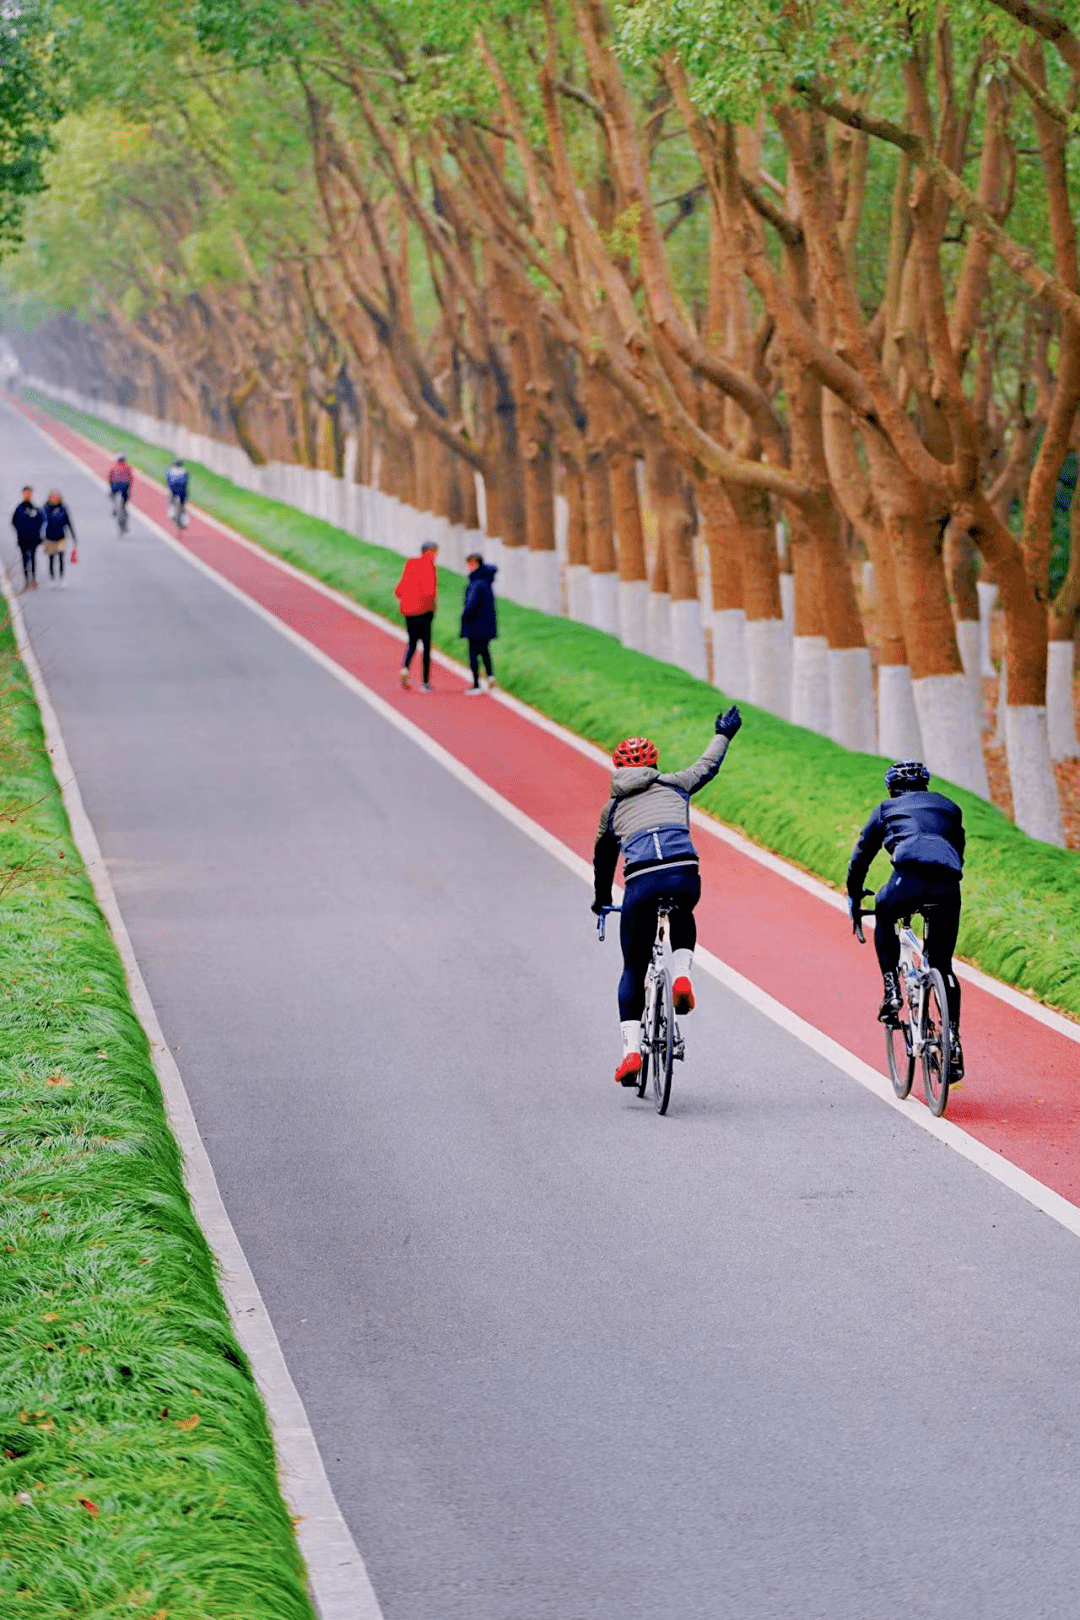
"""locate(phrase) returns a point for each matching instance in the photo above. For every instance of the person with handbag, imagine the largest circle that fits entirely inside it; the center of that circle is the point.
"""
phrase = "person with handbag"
(58, 526)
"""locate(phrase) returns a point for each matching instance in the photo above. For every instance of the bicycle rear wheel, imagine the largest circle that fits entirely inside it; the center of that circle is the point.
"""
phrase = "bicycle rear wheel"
(936, 1050)
(663, 1041)
(901, 1061)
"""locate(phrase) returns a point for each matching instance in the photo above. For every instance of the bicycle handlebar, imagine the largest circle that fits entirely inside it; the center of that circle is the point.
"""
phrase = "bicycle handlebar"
(601, 921)
(856, 922)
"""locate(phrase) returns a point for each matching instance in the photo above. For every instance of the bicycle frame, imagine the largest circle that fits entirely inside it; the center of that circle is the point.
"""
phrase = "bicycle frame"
(654, 970)
(913, 968)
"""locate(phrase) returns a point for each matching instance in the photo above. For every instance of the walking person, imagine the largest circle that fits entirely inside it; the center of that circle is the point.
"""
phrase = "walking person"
(27, 521)
(417, 592)
(479, 625)
(58, 526)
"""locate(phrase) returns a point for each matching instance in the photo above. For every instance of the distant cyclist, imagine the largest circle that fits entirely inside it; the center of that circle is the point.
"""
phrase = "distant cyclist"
(647, 819)
(120, 480)
(177, 480)
(923, 835)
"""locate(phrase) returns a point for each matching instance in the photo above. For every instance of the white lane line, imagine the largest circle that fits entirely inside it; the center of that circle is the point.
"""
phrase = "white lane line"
(994, 1164)
(339, 1581)
(1017, 999)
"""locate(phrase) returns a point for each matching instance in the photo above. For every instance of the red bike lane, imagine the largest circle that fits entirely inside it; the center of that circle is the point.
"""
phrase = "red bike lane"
(1022, 1097)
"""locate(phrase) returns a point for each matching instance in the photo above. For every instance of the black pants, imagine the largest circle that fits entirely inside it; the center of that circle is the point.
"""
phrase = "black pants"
(56, 557)
(937, 897)
(637, 927)
(28, 552)
(419, 627)
(480, 651)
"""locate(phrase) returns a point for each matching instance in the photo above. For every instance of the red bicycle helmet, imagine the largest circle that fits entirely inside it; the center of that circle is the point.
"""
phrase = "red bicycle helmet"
(635, 751)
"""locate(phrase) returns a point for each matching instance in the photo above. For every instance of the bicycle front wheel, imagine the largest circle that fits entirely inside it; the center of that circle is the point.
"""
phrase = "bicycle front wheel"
(936, 1049)
(901, 1061)
(663, 1041)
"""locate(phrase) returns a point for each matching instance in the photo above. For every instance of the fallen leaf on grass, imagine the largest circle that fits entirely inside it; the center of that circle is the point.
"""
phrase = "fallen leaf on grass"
(58, 1080)
(191, 1422)
(91, 1507)
(51, 1316)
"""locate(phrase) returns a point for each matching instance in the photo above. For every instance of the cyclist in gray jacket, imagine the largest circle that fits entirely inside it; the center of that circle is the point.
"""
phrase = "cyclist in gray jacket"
(647, 820)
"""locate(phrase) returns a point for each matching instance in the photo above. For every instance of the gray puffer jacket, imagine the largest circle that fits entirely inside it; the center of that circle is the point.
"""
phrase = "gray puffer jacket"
(647, 819)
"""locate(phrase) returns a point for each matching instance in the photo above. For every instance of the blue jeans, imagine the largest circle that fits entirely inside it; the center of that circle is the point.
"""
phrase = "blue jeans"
(637, 927)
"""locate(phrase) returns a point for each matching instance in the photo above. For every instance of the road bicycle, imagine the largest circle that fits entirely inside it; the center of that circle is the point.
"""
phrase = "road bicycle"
(662, 1044)
(925, 1034)
(118, 502)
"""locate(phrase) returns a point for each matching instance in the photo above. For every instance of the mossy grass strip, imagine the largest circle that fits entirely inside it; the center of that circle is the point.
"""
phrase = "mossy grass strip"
(137, 1474)
(790, 790)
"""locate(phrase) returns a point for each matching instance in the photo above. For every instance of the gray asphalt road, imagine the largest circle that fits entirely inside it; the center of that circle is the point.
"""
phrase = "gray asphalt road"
(778, 1355)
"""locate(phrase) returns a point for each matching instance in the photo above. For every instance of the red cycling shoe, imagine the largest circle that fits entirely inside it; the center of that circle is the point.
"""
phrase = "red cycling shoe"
(629, 1070)
(682, 994)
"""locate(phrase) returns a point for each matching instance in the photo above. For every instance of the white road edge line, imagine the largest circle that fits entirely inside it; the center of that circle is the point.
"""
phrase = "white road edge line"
(339, 1581)
(994, 1164)
(707, 823)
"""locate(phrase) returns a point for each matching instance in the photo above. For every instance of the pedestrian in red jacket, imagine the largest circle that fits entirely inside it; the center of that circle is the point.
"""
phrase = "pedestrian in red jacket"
(417, 592)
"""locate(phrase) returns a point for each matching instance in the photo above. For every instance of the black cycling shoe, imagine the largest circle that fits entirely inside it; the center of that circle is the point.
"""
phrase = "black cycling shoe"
(956, 1055)
(892, 1002)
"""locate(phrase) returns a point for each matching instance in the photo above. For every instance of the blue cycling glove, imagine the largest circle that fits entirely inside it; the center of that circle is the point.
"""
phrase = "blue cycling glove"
(728, 724)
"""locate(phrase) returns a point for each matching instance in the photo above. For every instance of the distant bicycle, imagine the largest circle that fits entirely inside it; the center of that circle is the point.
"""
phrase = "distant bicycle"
(119, 502)
(178, 511)
(924, 1034)
(661, 1039)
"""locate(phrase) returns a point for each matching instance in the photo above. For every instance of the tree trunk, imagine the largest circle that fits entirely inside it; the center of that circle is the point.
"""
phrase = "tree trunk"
(630, 536)
(726, 581)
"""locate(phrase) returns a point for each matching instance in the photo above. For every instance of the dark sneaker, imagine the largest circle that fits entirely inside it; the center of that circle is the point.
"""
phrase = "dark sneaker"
(956, 1055)
(891, 1002)
(629, 1070)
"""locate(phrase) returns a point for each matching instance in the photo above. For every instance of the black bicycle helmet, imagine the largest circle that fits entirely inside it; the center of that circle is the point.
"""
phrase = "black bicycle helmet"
(907, 776)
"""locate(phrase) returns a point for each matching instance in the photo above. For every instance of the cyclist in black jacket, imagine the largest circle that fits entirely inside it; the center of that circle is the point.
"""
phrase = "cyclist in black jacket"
(923, 835)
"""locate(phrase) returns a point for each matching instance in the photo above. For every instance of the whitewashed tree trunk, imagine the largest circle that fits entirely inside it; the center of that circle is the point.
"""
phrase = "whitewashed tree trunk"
(1036, 807)
(688, 638)
(578, 592)
(1060, 710)
(543, 580)
(869, 583)
(969, 641)
(851, 699)
(898, 724)
(768, 657)
(729, 651)
(987, 596)
(604, 602)
(634, 614)
(1002, 702)
(951, 744)
(658, 626)
(481, 501)
(787, 600)
(515, 583)
(810, 683)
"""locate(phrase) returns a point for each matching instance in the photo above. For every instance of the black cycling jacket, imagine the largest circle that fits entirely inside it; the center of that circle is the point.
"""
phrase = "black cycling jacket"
(919, 831)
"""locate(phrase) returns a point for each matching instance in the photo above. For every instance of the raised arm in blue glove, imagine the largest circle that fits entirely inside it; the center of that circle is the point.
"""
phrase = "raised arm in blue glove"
(728, 724)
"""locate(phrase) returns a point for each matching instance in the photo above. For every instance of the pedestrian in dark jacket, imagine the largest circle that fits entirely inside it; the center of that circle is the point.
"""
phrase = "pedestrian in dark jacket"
(58, 526)
(479, 626)
(27, 521)
(923, 835)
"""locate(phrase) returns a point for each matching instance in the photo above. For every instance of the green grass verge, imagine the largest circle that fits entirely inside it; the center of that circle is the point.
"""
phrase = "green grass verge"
(788, 789)
(137, 1475)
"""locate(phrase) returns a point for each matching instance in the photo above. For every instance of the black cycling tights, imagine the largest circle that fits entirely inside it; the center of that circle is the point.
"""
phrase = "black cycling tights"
(56, 557)
(637, 929)
(907, 892)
